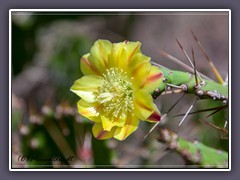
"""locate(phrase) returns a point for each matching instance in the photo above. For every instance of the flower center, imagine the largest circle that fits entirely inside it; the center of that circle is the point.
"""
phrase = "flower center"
(115, 93)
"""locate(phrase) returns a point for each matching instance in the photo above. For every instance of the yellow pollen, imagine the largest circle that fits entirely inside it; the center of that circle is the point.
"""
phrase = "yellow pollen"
(115, 93)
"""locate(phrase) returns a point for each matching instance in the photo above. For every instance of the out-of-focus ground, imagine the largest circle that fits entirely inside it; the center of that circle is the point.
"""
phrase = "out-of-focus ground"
(46, 49)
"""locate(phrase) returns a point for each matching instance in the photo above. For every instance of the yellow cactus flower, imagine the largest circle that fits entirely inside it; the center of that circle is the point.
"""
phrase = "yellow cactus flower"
(116, 88)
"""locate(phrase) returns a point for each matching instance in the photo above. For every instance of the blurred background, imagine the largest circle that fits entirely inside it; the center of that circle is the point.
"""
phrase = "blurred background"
(46, 49)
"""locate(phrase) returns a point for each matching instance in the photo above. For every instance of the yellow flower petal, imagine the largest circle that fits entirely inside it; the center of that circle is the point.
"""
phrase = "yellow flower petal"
(115, 55)
(131, 125)
(108, 123)
(121, 60)
(99, 133)
(138, 69)
(87, 67)
(122, 54)
(99, 54)
(88, 110)
(154, 79)
(86, 86)
(143, 104)
(132, 48)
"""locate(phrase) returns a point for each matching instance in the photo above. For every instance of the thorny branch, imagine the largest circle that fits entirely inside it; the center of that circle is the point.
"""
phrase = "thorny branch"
(196, 152)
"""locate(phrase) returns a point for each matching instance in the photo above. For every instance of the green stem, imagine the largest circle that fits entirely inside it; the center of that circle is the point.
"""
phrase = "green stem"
(186, 81)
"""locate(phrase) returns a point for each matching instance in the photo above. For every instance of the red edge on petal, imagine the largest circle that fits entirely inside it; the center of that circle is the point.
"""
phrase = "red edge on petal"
(138, 68)
(143, 105)
(101, 134)
(86, 62)
(133, 52)
(154, 117)
(155, 77)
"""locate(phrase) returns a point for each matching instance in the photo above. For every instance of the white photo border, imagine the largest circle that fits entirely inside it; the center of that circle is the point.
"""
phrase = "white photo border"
(115, 11)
